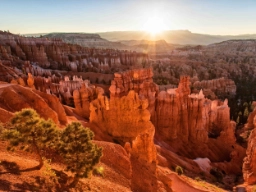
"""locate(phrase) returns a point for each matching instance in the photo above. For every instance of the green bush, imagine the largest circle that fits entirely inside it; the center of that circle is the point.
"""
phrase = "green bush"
(99, 171)
(179, 170)
(217, 174)
(78, 151)
(197, 178)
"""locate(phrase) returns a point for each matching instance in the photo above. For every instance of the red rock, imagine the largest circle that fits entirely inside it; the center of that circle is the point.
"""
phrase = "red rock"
(26, 98)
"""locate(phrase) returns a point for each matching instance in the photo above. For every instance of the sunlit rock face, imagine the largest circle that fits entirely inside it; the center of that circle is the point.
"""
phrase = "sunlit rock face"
(180, 114)
(83, 96)
(139, 80)
(190, 117)
(47, 106)
(125, 116)
(127, 119)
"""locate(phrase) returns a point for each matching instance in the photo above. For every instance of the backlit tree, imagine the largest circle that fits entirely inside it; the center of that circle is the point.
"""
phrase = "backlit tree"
(78, 151)
(30, 132)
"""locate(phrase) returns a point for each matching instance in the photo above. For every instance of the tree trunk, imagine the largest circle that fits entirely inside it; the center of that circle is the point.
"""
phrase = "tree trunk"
(41, 162)
(74, 182)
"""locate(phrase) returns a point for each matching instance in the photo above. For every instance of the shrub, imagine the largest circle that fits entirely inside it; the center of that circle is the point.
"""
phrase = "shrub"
(197, 178)
(179, 170)
(217, 174)
(99, 171)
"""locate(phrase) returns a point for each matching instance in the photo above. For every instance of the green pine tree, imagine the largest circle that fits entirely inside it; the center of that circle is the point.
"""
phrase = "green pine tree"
(78, 151)
(31, 133)
(246, 112)
(238, 120)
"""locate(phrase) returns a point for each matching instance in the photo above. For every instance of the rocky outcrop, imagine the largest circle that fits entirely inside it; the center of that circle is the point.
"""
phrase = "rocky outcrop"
(47, 106)
(190, 117)
(30, 81)
(131, 110)
(83, 96)
(127, 119)
(181, 115)
(251, 121)
(197, 127)
(249, 166)
(139, 80)
(119, 160)
(54, 103)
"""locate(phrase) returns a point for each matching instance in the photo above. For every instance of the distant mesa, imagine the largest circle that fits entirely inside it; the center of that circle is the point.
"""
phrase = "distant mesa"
(182, 37)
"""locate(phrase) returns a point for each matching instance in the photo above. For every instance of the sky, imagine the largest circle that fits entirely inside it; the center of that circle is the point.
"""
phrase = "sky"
(219, 17)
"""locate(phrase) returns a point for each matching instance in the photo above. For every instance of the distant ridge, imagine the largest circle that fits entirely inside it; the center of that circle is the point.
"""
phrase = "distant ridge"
(182, 37)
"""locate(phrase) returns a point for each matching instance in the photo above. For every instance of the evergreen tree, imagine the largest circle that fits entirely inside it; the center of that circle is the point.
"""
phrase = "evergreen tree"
(78, 151)
(246, 112)
(238, 120)
(30, 132)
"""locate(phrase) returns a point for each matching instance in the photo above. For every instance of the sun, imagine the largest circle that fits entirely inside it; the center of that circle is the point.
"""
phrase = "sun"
(154, 25)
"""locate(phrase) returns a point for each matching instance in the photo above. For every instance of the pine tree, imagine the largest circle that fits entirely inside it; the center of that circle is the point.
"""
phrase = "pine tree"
(238, 120)
(246, 112)
(30, 132)
(78, 151)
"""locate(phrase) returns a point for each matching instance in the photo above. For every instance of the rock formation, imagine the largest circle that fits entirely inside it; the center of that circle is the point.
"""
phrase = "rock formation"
(47, 106)
(182, 115)
(219, 86)
(83, 97)
(127, 119)
(54, 103)
(54, 54)
(139, 80)
(30, 81)
(131, 110)
(249, 166)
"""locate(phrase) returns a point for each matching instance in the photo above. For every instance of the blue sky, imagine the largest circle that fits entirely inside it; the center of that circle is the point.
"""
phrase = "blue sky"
(200, 16)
